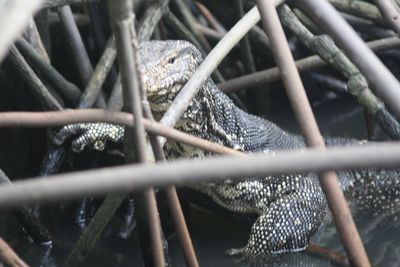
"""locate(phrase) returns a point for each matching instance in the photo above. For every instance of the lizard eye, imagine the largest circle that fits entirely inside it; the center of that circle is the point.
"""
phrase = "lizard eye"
(171, 60)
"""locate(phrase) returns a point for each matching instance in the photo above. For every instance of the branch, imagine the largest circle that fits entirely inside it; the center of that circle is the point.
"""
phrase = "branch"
(128, 178)
(52, 119)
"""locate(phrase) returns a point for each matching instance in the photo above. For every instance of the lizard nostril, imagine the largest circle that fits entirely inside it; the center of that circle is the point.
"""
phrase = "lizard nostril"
(171, 60)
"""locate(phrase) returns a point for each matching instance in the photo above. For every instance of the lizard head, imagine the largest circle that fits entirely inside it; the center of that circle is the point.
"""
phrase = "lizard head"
(166, 66)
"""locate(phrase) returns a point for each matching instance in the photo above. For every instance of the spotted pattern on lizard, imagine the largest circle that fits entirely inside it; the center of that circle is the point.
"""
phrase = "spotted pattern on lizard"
(290, 208)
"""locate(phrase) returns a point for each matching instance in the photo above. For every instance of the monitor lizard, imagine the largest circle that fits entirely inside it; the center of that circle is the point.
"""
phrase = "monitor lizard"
(290, 208)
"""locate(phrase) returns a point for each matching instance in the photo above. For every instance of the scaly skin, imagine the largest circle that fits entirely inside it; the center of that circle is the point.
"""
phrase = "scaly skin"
(290, 208)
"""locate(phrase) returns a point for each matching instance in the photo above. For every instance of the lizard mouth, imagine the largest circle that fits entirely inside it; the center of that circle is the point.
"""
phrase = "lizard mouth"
(161, 99)
(170, 90)
(169, 85)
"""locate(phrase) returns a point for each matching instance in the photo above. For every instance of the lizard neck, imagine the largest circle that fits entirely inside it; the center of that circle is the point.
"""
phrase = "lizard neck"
(242, 131)
(212, 115)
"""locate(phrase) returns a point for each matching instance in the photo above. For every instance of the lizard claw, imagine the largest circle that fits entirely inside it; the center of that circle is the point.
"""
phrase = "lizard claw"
(94, 135)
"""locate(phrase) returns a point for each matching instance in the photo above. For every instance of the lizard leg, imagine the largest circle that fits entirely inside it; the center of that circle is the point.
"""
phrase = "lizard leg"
(285, 226)
(239, 197)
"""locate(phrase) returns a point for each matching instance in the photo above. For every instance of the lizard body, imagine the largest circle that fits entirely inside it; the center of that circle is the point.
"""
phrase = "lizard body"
(290, 207)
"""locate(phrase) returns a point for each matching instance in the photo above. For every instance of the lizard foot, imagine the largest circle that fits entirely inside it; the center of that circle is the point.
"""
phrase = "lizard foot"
(285, 226)
(94, 135)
